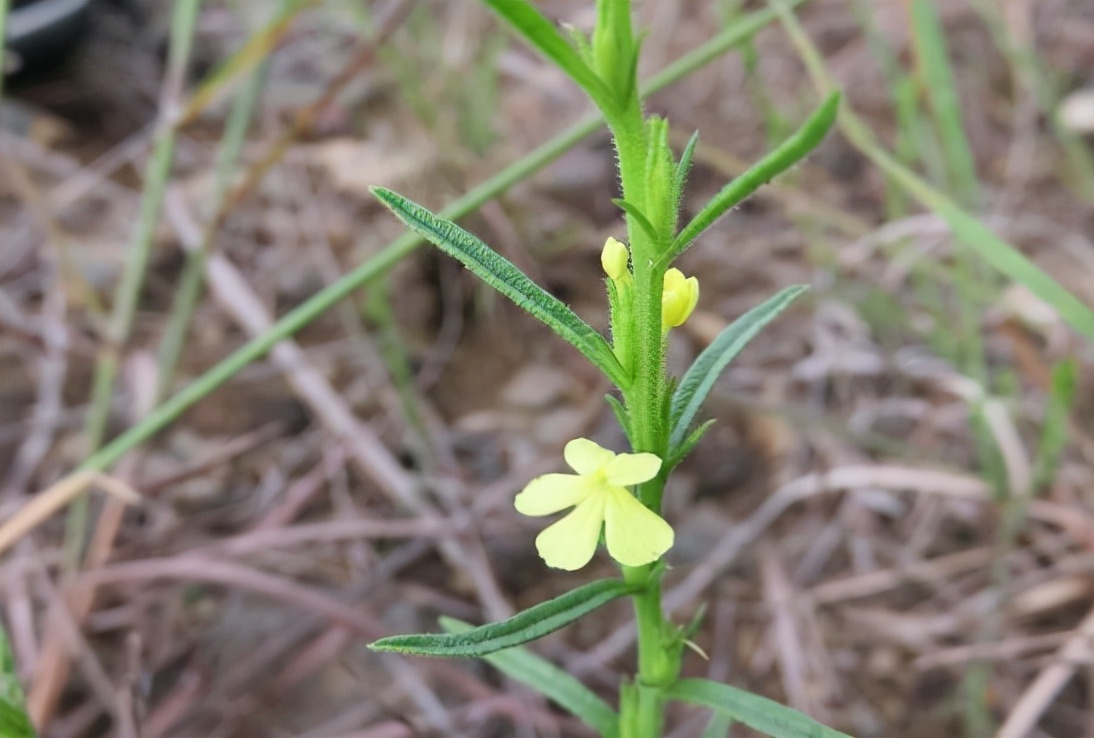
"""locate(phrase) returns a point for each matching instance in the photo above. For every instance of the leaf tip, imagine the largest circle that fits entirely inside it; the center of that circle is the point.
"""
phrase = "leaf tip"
(383, 194)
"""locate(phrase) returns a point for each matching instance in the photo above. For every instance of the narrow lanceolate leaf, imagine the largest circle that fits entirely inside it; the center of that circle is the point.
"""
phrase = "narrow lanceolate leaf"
(542, 34)
(683, 168)
(759, 713)
(550, 681)
(784, 156)
(688, 444)
(719, 726)
(639, 217)
(533, 623)
(14, 722)
(500, 274)
(701, 375)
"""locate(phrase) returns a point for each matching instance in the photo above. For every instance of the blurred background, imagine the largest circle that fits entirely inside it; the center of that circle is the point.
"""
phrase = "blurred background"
(891, 524)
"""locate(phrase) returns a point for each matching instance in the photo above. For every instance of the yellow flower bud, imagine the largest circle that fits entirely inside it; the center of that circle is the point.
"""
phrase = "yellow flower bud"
(614, 259)
(678, 298)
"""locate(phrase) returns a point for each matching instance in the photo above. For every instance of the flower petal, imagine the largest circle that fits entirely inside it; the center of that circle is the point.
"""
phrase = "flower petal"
(627, 469)
(586, 457)
(551, 493)
(635, 534)
(571, 542)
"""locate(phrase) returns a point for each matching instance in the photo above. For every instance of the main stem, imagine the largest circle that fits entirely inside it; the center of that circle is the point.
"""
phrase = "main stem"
(641, 703)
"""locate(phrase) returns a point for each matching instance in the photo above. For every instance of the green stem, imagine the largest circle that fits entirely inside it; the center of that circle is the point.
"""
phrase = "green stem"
(641, 704)
(128, 290)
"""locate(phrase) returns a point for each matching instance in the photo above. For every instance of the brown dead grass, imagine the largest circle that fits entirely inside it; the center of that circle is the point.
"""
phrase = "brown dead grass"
(835, 521)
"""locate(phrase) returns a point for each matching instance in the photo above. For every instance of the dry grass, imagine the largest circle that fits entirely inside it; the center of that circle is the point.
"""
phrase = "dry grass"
(837, 521)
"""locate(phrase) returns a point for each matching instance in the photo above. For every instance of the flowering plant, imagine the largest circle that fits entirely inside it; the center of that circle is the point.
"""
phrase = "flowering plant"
(619, 495)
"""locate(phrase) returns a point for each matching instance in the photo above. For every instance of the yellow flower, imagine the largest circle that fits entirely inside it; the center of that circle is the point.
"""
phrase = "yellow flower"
(678, 298)
(614, 259)
(598, 493)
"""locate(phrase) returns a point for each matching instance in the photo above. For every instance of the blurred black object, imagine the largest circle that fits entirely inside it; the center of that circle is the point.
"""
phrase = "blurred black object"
(41, 33)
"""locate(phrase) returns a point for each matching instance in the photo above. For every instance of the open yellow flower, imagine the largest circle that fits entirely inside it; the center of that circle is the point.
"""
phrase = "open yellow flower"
(635, 535)
(678, 298)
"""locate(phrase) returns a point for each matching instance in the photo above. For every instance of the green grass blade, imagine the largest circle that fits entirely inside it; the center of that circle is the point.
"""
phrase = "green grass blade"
(719, 726)
(550, 681)
(525, 626)
(976, 236)
(256, 50)
(930, 46)
(503, 276)
(542, 34)
(14, 722)
(969, 231)
(1054, 430)
(701, 375)
(759, 713)
(786, 155)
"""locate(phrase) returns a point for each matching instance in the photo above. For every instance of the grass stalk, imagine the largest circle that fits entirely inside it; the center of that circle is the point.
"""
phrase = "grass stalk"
(937, 78)
(183, 23)
(191, 280)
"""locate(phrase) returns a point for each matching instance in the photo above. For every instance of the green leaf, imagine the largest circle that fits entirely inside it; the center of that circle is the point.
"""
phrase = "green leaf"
(701, 375)
(546, 38)
(684, 165)
(681, 452)
(500, 274)
(759, 713)
(550, 681)
(639, 217)
(777, 161)
(14, 722)
(621, 414)
(533, 623)
(719, 726)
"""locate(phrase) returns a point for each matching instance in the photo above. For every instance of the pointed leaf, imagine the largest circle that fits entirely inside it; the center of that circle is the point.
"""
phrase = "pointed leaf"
(681, 452)
(500, 274)
(684, 165)
(719, 726)
(533, 623)
(700, 377)
(786, 155)
(550, 681)
(621, 414)
(639, 217)
(759, 713)
(546, 38)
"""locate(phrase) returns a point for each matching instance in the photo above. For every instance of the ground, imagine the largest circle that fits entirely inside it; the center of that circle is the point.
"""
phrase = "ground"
(882, 525)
